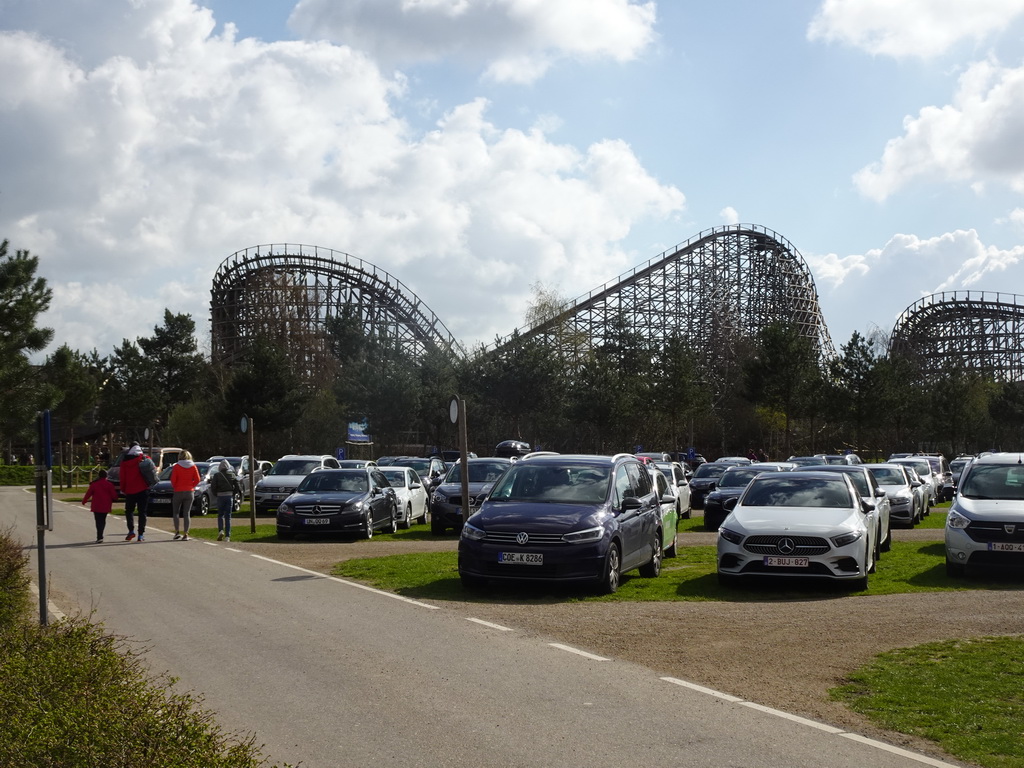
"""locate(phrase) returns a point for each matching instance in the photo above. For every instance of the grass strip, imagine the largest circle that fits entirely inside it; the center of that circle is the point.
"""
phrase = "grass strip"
(909, 567)
(965, 695)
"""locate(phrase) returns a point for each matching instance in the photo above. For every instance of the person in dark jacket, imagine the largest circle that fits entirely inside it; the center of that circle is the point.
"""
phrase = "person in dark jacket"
(224, 485)
(135, 488)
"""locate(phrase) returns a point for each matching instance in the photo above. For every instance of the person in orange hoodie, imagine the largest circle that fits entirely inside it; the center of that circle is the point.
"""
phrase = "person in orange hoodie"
(184, 479)
(103, 495)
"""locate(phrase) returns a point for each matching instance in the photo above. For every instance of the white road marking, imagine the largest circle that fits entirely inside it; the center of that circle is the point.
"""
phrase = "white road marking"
(814, 724)
(578, 652)
(489, 624)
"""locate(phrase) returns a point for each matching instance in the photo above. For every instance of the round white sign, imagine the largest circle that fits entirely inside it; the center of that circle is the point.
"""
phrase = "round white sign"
(453, 410)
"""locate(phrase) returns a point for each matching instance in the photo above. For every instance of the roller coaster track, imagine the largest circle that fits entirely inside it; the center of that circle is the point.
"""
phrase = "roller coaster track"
(973, 331)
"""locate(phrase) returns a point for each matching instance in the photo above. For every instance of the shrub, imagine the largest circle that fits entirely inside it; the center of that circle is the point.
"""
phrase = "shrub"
(14, 581)
(15, 474)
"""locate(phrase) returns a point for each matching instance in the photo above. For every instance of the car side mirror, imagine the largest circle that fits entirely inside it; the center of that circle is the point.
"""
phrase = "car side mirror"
(415, 485)
(631, 502)
(730, 504)
(711, 486)
(867, 507)
(668, 498)
(880, 492)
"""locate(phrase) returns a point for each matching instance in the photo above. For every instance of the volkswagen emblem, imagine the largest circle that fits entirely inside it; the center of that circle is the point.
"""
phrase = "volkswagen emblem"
(1010, 528)
(786, 546)
(317, 510)
(522, 538)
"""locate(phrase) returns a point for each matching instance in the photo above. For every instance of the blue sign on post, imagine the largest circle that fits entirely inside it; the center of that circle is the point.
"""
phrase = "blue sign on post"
(357, 432)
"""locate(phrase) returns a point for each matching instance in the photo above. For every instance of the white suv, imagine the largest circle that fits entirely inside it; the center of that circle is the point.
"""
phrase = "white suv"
(985, 524)
(284, 477)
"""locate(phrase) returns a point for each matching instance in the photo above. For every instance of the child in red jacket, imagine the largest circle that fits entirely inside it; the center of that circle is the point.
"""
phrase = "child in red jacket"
(103, 495)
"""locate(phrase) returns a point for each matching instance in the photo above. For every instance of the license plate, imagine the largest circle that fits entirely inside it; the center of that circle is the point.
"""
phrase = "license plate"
(521, 558)
(317, 521)
(1005, 546)
(787, 562)
(159, 500)
(278, 496)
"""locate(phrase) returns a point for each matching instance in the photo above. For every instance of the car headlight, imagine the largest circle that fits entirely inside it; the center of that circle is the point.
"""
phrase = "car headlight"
(584, 537)
(438, 498)
(472, 533)
(731, 536)
(846, 538)
(286, 509)
(955, 520)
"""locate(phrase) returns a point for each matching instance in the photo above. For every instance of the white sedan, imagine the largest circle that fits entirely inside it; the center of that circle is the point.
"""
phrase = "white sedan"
(802, 524)
(411, 496)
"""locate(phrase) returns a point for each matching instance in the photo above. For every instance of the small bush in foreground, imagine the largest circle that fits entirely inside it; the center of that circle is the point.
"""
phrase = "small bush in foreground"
(73, 696)
(14, 594)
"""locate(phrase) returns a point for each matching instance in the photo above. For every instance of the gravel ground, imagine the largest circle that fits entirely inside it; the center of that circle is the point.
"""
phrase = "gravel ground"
(782, 654)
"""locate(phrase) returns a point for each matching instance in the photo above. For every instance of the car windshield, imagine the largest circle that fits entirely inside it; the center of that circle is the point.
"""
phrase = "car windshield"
(710, 470)
(337, 482)
(804, 461)
(922, 468)
(667, 469)
(396, 478)
(888, 475)
(479, 472)
(420, 465)
(294, 467)
(778, 489)
(165, 473)
(994, 481)
(958, 465)
(738, 477)
(860, 481)
(554, 483)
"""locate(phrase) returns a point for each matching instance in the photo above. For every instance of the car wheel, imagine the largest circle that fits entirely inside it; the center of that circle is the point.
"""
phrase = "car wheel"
(368, 526)
(612, 571)
(392, 526)
(407, 522)
(870, 556)
(686, 515)
(284, 533)
(887, 544)
(426, 513)
(955, 570)
(237, 500)
(204, 504)
(672, 548)
(652, 569)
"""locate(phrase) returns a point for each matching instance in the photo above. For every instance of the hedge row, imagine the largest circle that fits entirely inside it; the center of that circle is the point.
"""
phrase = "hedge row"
(72, 696)
(16, 474)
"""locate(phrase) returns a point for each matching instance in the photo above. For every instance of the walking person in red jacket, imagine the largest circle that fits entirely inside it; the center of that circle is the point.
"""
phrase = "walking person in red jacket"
(135, 487)
(103, 495)
(184, 479)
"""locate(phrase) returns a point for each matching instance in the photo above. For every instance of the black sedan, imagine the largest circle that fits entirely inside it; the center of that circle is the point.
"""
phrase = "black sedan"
(704, 480)
(348, 501)
(730, 485)
(446, 498)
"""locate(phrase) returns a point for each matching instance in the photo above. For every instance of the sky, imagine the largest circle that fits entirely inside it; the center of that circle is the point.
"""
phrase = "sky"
(480, 149)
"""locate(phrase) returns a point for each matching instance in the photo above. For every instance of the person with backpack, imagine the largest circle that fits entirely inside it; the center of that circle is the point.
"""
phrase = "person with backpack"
(184, 479)
(103, 495)
(224, 485)
(137, 476)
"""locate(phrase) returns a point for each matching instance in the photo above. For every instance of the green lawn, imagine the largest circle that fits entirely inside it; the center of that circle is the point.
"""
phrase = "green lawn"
(965, 695)
(909, 567)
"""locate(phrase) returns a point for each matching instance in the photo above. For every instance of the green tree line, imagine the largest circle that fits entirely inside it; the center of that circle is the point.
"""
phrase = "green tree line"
(552, 391)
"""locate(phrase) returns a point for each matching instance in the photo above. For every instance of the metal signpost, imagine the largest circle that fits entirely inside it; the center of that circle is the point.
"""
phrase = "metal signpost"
(44, 505)
(457, 414)
(249, 426)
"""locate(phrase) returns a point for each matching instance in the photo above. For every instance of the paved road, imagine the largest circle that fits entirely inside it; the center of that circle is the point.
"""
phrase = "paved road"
(332, 674)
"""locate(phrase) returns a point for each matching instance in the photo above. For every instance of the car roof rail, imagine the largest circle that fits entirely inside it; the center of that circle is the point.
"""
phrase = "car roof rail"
(618, 456)
(534, 454)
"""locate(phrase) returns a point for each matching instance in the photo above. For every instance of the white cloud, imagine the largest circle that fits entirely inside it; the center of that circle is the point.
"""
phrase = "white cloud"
(135, 178)
(883, 282)
(729, 215)
(910, 28)
(975, 140)
(512, 40)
